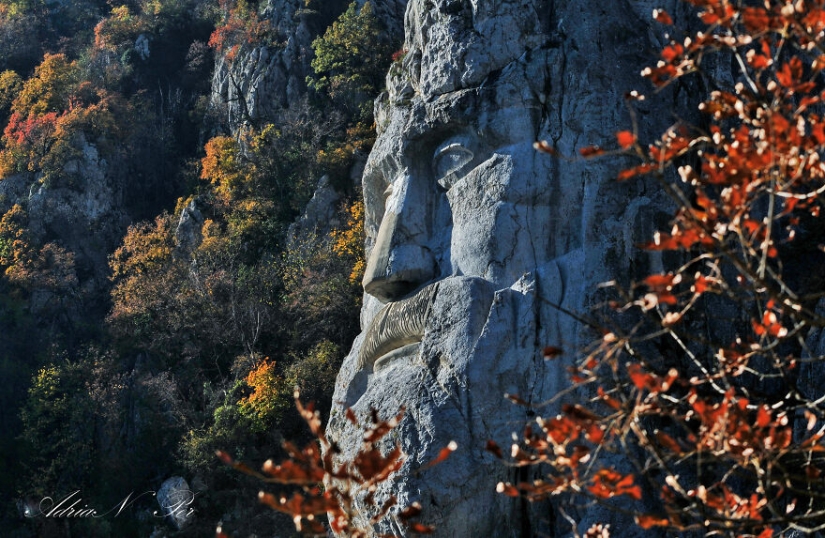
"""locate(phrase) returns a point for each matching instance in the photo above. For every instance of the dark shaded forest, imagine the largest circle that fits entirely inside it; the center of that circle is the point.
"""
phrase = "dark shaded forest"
(156, 301)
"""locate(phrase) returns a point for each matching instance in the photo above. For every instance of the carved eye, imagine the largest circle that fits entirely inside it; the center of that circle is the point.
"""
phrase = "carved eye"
(451, 162)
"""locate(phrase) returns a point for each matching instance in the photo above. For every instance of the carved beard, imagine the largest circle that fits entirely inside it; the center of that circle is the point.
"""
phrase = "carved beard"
(396, 327)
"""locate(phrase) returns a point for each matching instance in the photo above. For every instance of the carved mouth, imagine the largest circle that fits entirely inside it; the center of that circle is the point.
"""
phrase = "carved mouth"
(397, 327)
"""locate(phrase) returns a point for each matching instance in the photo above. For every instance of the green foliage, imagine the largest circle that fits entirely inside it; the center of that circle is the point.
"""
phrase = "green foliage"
(57, 432)
(313, 375)
(29, 266)
(10, 86)
(173, 373)
(227, 426)
(351, 59)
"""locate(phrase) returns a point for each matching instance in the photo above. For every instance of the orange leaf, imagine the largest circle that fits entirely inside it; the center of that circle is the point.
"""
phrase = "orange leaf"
(662, 16)
(763, 416)
(755, 19)
(625, 139)
(640, 170)
(420, 528)
(494, 449)
(444, 453)
(551, 352)
(591, 151)
(647, 521)
(671, 52)
(668, 442)
(507, 489)
(545, 147)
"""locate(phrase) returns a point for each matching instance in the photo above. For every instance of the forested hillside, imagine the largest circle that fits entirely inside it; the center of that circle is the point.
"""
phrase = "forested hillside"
(178, 250)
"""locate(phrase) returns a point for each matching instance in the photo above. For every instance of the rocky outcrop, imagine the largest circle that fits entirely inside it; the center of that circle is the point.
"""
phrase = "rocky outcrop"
(86, 203)
(262, 80)
(504, 242)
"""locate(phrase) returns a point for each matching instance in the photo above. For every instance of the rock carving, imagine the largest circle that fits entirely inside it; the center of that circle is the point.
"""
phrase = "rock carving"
(478, 245)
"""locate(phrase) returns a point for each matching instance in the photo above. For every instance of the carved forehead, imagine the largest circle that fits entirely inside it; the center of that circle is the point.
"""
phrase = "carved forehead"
(508, 107)
(456, 44)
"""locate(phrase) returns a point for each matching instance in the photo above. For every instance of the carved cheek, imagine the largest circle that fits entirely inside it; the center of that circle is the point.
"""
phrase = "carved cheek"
(476, 202)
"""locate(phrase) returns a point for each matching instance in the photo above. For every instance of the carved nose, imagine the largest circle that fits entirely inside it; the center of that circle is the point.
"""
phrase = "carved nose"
(400, 261)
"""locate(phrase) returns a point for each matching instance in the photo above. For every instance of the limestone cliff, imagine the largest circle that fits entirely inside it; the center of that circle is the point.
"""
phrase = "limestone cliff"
(478, 246)
(266, 78)
(87, 216)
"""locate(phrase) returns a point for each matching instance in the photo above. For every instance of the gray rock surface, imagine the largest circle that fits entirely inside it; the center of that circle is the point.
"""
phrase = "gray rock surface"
(175, 500)
(88, 205)
(456, 195)
(188, 233)
(319, 217)
(262, 80)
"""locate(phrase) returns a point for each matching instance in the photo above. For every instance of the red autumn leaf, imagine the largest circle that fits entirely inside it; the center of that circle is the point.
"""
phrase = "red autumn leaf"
(224, 457)
(507, 489)
(641, 379)
(662, 16)
(757, 61)
(494, 449)
(647, 521)
(700, 284)
(625, 139)
(755, 19)
(763, 416)
(790, 73)
(608, 483)
(295, 472)
(545, 147)
(373, 466)
(661, 282)
(671, 52)
(350, 414)
(551, 352)
(579, 413)
(591, 151)
(609, 400)
(640, 170)
(420, 528)
(443, 454)
(668, 442)
(595, 433)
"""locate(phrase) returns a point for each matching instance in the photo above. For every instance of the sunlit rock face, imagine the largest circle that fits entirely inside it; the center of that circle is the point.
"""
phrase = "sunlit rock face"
(478, 245)
(264, 80)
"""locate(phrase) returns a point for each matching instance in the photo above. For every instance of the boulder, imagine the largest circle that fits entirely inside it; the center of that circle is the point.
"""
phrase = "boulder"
(175, 500)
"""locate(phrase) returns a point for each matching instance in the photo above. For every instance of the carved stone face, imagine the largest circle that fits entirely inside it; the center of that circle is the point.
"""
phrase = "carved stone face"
(461, 216)
(475, 240)
(464, 195)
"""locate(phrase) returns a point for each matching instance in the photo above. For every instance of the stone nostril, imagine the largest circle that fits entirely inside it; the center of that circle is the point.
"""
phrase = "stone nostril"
(388, 291)
(392, 274)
